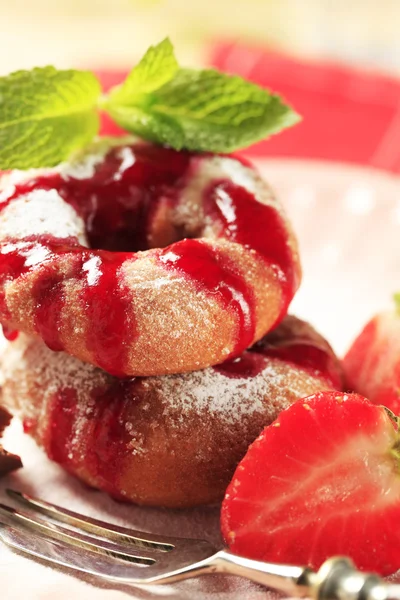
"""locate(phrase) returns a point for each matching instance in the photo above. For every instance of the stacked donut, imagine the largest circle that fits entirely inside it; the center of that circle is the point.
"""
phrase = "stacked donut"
(144, 292)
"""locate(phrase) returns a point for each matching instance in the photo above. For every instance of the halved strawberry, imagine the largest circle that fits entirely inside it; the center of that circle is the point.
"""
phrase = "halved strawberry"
(372, 365)
(322, 480)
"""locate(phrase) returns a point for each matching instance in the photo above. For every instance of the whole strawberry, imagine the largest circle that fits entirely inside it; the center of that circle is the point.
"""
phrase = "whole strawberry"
(322, 480)
(372, 365)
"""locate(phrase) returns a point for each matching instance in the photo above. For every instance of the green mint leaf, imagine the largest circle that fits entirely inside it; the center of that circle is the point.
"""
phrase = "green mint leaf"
(45, 115)
(202, 110)
(155, 128)
(157, 67)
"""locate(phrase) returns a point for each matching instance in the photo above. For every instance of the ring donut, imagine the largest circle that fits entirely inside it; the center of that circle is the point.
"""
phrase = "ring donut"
(172, 440)
(144, 261)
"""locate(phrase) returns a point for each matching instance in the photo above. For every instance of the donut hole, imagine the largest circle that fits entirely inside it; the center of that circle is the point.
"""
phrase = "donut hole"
(126, 202)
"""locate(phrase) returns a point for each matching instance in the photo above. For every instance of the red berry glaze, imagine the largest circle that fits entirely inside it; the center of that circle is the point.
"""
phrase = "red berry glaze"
(117, 303)
(296, 343)
(322, 480)
(372, 364)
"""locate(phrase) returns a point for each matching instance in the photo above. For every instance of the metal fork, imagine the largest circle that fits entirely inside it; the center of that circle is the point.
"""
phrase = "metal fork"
(124, 556)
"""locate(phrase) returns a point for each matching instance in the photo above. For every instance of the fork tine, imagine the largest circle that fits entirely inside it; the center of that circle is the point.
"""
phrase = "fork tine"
(72, 557)
(69, 537)
(96, 527)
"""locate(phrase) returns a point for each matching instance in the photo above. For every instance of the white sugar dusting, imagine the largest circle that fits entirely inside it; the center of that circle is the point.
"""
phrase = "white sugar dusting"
(82, 164)
(230, 398)
(53, 370)
(8, 181)
(40, 212)
(247, 177)
(81, 169)
(210, 391)
(92, 269)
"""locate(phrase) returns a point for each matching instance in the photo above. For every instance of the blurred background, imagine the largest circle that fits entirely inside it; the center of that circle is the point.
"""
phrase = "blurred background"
(109, 33)
(336, 61)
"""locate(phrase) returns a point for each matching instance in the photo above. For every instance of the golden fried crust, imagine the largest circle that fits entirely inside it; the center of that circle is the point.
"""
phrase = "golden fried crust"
(171, 440)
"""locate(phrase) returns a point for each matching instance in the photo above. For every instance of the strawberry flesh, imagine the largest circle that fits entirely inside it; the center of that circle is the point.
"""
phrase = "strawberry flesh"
(322, 480)
(372, 364)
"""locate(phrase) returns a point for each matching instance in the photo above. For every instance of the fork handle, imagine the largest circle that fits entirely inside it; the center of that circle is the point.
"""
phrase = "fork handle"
(290, 580)
(337, 579)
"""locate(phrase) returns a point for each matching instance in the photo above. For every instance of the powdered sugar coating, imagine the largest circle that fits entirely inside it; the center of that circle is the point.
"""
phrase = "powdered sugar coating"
(230, 398)
(41, 212)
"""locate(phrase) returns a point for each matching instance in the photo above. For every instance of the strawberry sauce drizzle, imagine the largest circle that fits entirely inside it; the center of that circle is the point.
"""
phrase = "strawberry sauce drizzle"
(104, 439)
(286, 344)
(109, 439)
(242, 219)
(245, 220)
(9, 333)
(247, 365)
(107, 301)
(213, 272)
(317, 361)
(60, 433)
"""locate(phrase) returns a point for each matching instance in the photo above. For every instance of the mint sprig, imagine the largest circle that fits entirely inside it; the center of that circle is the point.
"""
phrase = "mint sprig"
(201, 110)
(46, 114)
